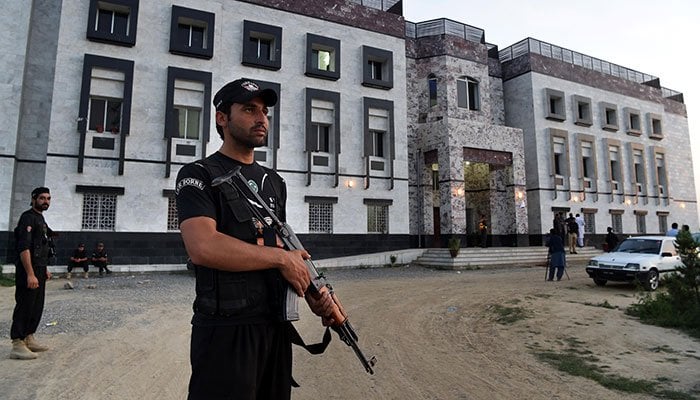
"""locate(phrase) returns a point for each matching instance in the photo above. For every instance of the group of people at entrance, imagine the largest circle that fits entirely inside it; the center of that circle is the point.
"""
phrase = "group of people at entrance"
(79, 259)
(571, 230)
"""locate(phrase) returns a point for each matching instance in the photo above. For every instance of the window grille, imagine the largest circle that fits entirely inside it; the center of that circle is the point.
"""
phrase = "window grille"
(173, 223)
(321, 217)
(377, 218)
(99, 211)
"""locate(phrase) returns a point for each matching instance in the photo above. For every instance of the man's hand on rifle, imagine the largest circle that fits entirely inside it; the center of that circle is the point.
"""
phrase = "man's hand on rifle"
(323, 307)
(295, 271)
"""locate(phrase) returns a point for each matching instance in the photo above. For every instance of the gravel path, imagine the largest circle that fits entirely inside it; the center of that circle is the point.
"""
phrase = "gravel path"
(98, 304)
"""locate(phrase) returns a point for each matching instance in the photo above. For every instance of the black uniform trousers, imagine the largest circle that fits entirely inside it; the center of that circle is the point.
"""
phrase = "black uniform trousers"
(82, 264)
(246, 362)
(29, 303)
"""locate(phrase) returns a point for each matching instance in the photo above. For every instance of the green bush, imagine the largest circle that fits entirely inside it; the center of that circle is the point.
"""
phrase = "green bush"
(679, 306)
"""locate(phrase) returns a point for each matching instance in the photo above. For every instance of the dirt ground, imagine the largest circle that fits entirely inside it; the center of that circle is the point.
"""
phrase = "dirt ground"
(435, 335)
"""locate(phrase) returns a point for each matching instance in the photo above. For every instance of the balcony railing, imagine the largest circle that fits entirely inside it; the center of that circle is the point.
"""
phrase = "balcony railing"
(383, 5)
(444, 26)
(535, 46)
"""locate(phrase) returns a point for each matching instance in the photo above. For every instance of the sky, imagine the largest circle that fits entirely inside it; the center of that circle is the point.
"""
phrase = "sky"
(653, 37)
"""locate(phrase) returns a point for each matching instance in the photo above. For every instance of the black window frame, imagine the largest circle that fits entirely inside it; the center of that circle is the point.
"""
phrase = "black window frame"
(386, 58)
(258, 30)
(96, 35)
(192, 17)
(315, 43)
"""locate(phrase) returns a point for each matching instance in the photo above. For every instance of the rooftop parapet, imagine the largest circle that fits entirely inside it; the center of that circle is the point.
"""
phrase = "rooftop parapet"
(444, 26)
(530, 45)
(393, 6)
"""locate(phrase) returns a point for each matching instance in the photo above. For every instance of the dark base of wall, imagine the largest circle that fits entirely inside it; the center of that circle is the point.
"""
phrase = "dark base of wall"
(514, 240)
(167, 248)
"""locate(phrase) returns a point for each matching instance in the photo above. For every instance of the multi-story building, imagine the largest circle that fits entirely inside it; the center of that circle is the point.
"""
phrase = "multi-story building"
(602, 141)
(109, 98)
(389, 134)
(465, 162)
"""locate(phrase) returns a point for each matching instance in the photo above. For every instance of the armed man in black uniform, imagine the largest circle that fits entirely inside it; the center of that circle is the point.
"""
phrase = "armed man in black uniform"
(32, 237)
(240, 346)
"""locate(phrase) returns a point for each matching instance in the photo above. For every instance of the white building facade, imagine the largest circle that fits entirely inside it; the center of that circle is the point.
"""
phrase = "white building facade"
(389, 134)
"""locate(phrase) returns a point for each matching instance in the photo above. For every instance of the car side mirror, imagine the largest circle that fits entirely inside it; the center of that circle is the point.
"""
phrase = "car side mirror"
(666, 254)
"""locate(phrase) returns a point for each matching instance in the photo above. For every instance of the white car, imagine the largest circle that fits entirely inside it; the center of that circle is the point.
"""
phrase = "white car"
(640, 258)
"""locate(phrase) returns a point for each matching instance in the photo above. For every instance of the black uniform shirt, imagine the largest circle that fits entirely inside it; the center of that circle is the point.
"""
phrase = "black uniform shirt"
(32, 234)
(196, 198)
(79, 254)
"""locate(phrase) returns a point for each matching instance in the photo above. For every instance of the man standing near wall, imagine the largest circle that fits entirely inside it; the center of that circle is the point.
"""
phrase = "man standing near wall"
(572, 228)
(581, 225)
(32, 240)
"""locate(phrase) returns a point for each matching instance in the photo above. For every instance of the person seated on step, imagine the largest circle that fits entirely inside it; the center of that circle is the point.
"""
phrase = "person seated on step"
(78, 259)
(100, 259)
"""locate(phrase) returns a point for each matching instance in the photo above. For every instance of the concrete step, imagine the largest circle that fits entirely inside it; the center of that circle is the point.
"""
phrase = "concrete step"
(497, 257)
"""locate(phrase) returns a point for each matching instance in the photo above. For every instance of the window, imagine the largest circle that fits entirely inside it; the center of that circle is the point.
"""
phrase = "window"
(435, 176)
(105, 104)
(378, 143)
(615, 169)
(641, 222)
(322, 133)
(378, 136)
(616, 222)
(560, 157)
(187, 115)
(661, 176)
(173, 224)
(99, 211)
(262, 45)
(588, 163)
(655, 131)
(432, 90)
(468, 93)
(322, 57)
(663, 223)
(378, 71)
(321, 137)
(189, 122)
(377, 218)
(191, 32)
(113, 21)
(582, 111)
(589, 222)
(555, 109)
(105, 115)
(639, 174)
(632, 118)
(320, 217)
(609, 113)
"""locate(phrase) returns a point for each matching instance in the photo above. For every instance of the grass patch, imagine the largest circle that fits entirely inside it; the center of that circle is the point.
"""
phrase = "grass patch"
(5, 281)
(583, 366)
(509, 315)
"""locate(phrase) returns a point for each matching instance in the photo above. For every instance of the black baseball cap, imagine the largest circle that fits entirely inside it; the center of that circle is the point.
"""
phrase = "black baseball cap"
(241, 91)
(40, 190)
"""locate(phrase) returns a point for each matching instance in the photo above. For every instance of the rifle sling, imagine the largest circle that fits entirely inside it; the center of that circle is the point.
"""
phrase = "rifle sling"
(316, 348)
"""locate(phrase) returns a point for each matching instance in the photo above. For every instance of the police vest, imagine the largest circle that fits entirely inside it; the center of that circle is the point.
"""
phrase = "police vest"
(243, 297)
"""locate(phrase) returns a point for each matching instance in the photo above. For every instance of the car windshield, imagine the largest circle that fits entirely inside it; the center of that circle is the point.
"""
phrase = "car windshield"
(644, 246)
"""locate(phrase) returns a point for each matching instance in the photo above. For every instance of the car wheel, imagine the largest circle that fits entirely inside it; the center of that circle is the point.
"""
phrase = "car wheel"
(600, 282)
(652, 282)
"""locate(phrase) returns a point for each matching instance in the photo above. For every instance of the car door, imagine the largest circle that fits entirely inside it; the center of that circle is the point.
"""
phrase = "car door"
(669, 263)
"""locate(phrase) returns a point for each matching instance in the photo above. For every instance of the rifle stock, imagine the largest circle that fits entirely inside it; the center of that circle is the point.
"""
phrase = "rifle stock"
(318, 285)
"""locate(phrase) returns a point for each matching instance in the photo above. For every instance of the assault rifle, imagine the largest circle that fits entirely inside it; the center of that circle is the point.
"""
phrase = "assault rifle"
(318, 285)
